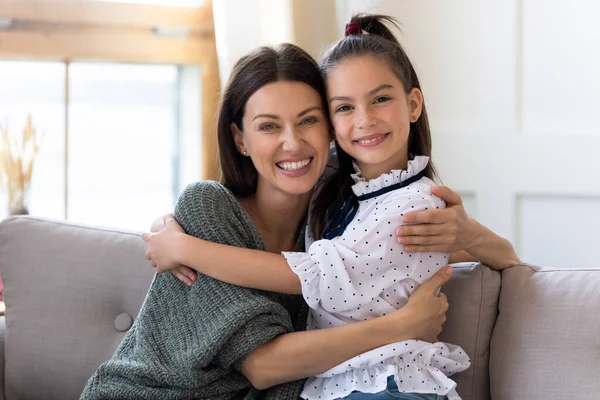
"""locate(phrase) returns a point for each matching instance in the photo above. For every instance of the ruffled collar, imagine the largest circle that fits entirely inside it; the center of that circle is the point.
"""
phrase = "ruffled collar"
(362, 186)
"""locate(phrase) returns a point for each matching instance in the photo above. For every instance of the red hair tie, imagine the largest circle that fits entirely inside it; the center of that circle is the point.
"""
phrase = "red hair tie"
(353, 28)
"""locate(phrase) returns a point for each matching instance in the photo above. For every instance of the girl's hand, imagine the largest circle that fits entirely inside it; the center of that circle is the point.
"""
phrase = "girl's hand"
(446, 230)
(162, 250)
(185, 274)
(425, 313)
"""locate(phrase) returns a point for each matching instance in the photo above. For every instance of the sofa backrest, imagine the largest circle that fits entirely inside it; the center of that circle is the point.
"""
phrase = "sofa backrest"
(472, 294)
(546, 343)
(69, 290)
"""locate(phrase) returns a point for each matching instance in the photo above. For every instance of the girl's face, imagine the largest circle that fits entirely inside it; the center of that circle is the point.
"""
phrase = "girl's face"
(371, 113)
(286, 134)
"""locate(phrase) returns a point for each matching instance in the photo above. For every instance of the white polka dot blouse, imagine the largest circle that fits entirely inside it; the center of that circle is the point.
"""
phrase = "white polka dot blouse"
(365, 273)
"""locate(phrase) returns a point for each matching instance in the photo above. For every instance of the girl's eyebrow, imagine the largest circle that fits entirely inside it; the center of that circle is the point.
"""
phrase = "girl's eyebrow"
(371, 92)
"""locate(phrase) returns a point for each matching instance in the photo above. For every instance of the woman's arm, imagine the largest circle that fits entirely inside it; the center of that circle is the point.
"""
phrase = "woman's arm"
(492, 249)
(299, 355)
(451, 230)
(171, 247)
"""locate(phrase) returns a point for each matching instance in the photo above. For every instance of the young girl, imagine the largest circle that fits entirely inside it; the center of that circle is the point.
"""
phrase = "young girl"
(359, 271)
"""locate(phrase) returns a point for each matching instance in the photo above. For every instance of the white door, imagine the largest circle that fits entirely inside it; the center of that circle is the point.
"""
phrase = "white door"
(513, 93)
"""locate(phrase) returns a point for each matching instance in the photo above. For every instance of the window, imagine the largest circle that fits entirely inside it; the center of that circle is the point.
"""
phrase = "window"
(127, 107)
(38, 88)
(172, 3)
(126, 129)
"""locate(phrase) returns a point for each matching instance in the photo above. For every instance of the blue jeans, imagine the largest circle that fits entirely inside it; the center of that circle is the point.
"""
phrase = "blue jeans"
(392, 393)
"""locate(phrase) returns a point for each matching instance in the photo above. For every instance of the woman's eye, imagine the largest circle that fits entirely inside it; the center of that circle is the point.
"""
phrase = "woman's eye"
(342, 108)
(381, 99)
(267, 127)
(309, 120)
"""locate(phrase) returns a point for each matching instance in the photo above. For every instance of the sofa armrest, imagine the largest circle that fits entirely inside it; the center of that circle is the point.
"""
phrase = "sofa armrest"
(2, 358)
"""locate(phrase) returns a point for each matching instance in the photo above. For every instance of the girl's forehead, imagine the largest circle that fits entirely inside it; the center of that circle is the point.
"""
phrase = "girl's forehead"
(362, 73)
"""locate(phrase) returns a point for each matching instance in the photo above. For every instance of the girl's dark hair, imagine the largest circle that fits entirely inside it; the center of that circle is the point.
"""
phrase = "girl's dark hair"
(373, 38)
(285, 62)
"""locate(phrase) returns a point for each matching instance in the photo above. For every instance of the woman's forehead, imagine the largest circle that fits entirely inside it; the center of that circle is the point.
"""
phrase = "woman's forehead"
(282, 98)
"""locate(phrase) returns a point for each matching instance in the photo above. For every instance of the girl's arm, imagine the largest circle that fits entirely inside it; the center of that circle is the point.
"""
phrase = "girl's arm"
(253, 269)
(171, 247)
(300, 355)
(451, 230)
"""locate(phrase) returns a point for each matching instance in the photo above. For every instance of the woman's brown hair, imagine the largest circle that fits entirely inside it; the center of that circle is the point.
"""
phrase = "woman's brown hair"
(285, 62)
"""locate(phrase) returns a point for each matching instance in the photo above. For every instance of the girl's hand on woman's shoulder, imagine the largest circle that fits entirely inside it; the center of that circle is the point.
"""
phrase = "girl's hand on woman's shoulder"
(446, 230)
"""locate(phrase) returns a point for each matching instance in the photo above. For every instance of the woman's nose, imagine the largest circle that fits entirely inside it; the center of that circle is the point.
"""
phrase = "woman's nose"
(292, 141)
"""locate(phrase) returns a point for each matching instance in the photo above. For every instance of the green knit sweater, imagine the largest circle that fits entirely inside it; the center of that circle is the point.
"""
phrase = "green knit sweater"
(189, 343)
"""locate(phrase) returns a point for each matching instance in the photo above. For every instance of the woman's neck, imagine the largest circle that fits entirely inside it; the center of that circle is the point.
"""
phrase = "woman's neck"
(277, 216)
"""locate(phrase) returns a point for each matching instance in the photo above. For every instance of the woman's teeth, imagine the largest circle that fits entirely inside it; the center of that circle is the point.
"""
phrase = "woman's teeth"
(291, 166)
(367, 141)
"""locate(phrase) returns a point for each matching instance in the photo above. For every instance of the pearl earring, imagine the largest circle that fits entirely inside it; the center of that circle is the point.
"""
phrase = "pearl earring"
(245, 153)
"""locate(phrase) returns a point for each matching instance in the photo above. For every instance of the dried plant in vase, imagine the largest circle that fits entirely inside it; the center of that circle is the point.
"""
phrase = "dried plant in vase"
(17, 157)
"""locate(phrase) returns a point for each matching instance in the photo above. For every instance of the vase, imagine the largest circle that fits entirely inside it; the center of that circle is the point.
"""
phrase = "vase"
(18, 211)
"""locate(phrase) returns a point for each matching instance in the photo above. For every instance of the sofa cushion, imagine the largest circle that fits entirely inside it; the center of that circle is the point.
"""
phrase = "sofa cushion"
(472, 294)
(545, 344)
(64, 286)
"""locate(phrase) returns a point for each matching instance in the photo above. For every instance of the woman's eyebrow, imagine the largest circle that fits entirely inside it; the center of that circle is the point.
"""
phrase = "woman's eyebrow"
(265, 116)
(309, 110)
(371, 92)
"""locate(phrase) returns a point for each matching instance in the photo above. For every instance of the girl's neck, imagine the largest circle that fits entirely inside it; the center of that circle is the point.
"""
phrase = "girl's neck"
(372, 171)
(277, 216)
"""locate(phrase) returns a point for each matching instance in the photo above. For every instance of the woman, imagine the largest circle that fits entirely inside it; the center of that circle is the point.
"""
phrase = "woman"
(220, 341)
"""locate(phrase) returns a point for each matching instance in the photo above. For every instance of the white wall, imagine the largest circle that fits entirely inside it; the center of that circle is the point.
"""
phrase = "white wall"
(242, 25)
(511, 88)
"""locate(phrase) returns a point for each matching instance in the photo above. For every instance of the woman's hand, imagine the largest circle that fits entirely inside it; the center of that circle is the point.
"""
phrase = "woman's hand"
(185, 274)
(447, 230)
(425, 313)
(162, 246)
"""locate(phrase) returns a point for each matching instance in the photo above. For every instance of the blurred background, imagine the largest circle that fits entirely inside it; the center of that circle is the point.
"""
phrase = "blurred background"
(122, 98)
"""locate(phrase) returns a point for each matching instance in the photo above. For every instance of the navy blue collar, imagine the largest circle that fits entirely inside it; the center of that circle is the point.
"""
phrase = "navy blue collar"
(342, 218)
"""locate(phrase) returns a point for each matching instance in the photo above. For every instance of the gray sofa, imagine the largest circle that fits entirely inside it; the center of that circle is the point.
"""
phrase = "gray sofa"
(72, 291)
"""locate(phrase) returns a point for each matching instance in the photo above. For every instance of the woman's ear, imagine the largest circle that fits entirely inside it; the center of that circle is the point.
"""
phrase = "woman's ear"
(415, 104)
(238, 138)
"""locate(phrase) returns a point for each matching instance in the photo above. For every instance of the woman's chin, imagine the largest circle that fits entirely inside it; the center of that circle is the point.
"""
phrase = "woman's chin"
(298, 186)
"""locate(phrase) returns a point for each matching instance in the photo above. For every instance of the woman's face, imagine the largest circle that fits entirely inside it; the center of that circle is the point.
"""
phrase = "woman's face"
(371, 113)
(286, 134)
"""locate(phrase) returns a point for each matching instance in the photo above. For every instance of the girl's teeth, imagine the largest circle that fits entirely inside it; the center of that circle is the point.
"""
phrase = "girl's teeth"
(291, 166)
(367, 141)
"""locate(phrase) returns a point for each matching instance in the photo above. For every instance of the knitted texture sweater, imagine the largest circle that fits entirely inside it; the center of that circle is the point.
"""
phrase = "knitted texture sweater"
(190, 343)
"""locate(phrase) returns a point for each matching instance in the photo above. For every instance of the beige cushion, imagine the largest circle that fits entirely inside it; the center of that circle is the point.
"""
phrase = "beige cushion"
(546, 342)
(473, 294)
(64, 286)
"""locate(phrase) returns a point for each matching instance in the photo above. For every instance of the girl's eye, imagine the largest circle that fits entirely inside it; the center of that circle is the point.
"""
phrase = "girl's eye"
(342, 108)
(267, 127)
(309, 120)
(381, 99)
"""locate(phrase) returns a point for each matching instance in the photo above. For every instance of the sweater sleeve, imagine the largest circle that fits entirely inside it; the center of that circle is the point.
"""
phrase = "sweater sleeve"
(189, 343)
(208, 211)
